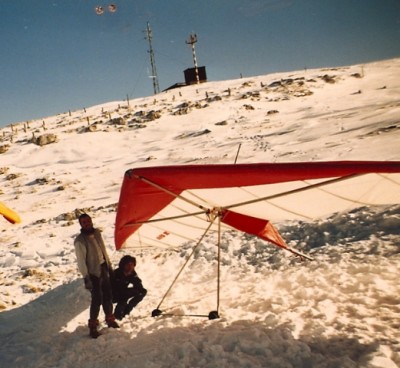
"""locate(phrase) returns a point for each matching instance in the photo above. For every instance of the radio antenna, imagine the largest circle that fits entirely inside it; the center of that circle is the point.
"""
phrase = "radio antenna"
(191, 41)
(154, 77)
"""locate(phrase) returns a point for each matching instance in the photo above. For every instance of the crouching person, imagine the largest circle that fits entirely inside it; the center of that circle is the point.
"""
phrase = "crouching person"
(127, 297)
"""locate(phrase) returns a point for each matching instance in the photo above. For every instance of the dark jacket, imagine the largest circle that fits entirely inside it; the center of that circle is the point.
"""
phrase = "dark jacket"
(120, 283)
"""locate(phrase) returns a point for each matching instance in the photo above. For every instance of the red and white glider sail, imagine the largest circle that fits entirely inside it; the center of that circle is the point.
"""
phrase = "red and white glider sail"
(168, 206)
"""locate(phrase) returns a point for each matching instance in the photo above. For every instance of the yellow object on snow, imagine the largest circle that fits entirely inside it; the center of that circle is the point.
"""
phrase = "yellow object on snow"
(8, 214)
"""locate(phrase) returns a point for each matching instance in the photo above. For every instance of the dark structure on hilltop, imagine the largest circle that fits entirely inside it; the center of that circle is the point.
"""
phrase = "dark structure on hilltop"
(191, 77)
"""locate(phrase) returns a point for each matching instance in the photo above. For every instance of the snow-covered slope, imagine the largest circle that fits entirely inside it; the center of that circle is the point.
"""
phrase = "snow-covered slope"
(341, 310)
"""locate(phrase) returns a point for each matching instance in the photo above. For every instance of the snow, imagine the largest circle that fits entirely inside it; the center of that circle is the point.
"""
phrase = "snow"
(340, 310)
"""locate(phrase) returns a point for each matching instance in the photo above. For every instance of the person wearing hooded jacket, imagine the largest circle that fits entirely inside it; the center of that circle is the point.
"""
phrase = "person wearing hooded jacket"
(127, 297)
(95, 267)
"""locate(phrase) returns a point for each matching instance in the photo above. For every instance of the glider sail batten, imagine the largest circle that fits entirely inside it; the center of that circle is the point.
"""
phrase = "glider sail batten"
(219, 184)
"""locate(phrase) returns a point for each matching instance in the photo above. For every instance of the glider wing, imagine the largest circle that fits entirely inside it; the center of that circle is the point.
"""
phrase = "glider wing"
(168, 206)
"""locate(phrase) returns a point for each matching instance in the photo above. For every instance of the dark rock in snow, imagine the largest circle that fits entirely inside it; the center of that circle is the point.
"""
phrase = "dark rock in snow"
(45, 139)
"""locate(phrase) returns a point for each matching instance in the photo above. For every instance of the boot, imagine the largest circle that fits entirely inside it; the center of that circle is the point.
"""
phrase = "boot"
(93, 332)
(110, 320)
(128, 310)
(119, 312)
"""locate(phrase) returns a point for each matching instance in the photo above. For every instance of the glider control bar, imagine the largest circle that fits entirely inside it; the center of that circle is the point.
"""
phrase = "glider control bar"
(184, 265)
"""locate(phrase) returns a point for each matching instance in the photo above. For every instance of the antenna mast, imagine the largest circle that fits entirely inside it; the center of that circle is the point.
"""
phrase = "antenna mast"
(192, 40)
(154, 76)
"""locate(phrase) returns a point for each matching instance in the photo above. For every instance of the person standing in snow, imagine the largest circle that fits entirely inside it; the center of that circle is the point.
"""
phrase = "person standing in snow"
(127, 297)
(95, 267)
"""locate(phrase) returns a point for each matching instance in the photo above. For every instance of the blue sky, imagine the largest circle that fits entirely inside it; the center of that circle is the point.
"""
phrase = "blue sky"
(58, 55)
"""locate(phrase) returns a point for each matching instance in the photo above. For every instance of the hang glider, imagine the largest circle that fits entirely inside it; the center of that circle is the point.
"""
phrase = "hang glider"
(112, 8)
(168, 206)
(10, 215)
(99, 10)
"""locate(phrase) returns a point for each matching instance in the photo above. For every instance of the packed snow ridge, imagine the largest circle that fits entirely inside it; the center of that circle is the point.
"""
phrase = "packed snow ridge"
(340, 310)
